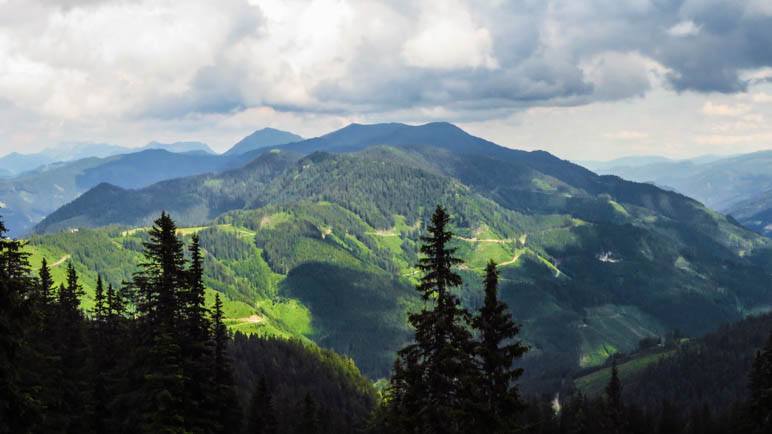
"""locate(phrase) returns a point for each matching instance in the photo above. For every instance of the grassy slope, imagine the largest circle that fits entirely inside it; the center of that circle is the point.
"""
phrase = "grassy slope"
(594, 383)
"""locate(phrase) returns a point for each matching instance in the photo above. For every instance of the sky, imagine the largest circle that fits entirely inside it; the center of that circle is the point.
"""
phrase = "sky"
(583, 79)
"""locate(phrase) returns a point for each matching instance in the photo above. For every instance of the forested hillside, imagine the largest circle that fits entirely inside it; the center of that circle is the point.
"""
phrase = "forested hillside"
(65, 367)
(323, 246)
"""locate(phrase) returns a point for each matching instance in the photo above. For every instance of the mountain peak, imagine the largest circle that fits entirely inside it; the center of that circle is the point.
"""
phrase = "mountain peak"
(355, 137)
(180, 147)
(263, 138)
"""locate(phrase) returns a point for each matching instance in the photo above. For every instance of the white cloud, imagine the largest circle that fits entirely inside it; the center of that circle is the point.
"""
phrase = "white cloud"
(713, 109)
(684, 28)
(627, 135)
(735, 139)
(448, 38)
(761, 97)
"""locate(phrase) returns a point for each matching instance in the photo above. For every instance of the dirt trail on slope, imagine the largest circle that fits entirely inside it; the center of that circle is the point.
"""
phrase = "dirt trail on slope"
(61, 260)
(513, 260)
(485, 240)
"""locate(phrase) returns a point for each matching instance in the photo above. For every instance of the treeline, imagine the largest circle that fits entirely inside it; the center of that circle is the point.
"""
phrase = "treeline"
(711, 370)
(150, 357)
(614, 414)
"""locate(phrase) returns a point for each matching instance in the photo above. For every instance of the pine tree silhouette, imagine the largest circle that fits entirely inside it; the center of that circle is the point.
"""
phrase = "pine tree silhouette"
(196, 347)
(434, 378)
(227, 408)
(614, 417)
(261, 418)
(17, 410)
(497, 350)
(761, 388)
(158, 365)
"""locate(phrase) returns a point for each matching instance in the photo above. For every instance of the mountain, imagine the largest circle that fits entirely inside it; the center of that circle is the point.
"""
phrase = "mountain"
(266, 137)
(180, 147)
(85, 150)
(15, 163)
(608, 167)
(755, 213)
(319, 238)
(740, 185)
(719, 182)
(31, 196)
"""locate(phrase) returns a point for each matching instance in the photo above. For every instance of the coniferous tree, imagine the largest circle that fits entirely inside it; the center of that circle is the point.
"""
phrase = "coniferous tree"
(100, 304)
(100, 360)
(226, 405)
(497, 349)
(309, 422)
(72, 354)
(196, 347)
(17, 409)
(434, 378)
(261, 418)
(614, 422)
(39, 353)
(158, 365)
(761, 388)
(45, 284)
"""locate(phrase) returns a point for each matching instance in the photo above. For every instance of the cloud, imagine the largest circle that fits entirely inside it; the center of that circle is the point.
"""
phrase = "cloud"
(712, 109)
(627, 135)
(94, 63)
(734, 139)
(762, 97)
(684, 28)
(449, 38)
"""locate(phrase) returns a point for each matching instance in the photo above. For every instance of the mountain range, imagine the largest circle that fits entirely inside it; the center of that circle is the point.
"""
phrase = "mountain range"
(15, 163)
(317, 239)
(37, 184)
(738, 185)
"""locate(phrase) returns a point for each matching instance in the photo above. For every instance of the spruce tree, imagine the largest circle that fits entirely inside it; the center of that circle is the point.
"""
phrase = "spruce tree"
(434, 378)
(72, 354)
(761, 388)
(226, 405)
(45, 284)
(497, 350)
(100, 360)
(614, 422)
(100, 303)
(157, 366)
(17, 410)
(196, 347)
(261, 418)
(309, 422)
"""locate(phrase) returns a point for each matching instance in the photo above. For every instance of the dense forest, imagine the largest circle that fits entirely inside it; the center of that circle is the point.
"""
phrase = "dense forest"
(150, 356)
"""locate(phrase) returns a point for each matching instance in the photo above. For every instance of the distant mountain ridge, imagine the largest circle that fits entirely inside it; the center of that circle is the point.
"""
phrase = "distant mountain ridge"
(263, 138)
(17, 163)
(739, 185)
(40, 183)
(179, 147)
